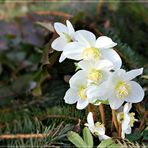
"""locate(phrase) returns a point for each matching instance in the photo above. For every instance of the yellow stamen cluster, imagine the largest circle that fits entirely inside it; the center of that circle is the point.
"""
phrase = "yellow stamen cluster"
(91, 53)
(122, 89)
(132, 119)
(82, 93)
(95, 75)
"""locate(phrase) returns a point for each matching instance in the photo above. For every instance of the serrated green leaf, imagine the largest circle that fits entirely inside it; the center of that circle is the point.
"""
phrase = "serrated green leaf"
(76, 139)
(88, 138)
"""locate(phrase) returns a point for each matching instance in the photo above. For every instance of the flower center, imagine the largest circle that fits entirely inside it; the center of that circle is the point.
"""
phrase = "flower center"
(122, 89)
(68, 38)
(132, 119)
(95, 75)
(82, 93)
(91, 53)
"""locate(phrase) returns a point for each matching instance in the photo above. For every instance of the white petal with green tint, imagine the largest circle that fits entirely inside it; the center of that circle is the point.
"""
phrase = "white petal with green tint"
(114, 102)
(137, 93)
(79, 78)
(127, 107)
(71, 96)
(81, 104)
(105, 42)
(112, 56)
(133, 74)
(73, 51)
(58, 44)
(70, 27)
(85, 37)
(60, 28)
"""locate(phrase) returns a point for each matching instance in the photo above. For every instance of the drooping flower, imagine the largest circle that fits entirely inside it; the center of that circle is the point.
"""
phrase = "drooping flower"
(121, 88)
(97, 128)
(66, 35)
(88, 47)
(126, 119)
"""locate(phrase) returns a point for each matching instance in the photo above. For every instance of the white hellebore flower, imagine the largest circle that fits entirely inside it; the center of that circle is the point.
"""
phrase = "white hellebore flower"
(126, 119)
(65, 33)
(88, 47)
(77, 90)
(97, 71)
(121, 88)
(97, 128)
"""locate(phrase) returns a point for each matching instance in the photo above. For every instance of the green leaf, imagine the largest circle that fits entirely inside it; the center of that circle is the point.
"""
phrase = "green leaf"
(76, 139)
(108, 143)
(87, 136)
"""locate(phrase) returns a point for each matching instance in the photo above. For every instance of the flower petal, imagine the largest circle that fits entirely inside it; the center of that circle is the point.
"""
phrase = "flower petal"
(60, 28)
(70, 27)
(90, 119)
(81, 104)
(79, 78)
(95, 91)
(105, 42)
(73, 51)
(136, 94)
(112, 56)
(127, 107)
(62, 57)
(84, 64)
(104, 64)
(71, 96)
(115, 103)
(58, 44)
(123, 134)
(125, 122)
(133, 73)
(85, 37)
(103, 137)
(128, 130)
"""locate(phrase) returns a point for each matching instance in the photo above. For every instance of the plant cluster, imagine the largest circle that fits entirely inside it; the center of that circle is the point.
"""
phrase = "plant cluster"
(99, 78)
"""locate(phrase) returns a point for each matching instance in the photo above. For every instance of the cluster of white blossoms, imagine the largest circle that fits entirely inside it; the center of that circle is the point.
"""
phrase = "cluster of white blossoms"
(100, 77)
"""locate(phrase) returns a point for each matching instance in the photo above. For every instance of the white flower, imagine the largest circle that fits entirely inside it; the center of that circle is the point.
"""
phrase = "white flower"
(66, 33)
(97, 128)
(126, 119)
(120, 88)
(96, 71)
(88, 48)
(77, 90)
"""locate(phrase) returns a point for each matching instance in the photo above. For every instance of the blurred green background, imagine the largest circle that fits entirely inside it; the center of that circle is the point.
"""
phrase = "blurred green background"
(33, 82)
